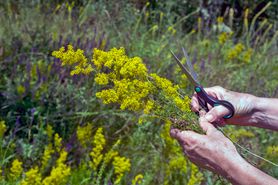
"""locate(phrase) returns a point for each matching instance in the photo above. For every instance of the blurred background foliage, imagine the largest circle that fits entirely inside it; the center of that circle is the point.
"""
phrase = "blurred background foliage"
(231, 43)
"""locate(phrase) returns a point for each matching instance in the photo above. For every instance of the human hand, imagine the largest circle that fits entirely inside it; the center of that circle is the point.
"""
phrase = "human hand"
(217, 153)
(212, 151)
(243, 104)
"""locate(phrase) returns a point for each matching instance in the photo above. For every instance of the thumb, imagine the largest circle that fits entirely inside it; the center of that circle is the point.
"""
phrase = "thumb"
(206, 126)
(216, 113)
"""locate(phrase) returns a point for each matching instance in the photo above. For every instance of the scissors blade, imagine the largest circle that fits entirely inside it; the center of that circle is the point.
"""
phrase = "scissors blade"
(190, 66)
(184, 70)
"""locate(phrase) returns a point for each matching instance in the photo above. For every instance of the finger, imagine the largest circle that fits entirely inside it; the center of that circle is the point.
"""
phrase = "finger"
(194, 103)
(215, 91)
(207, 127)
(202, 113)
(216, 113)
(185, 137)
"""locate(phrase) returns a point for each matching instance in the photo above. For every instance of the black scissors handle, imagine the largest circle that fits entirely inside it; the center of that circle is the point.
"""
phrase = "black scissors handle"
(205, 99)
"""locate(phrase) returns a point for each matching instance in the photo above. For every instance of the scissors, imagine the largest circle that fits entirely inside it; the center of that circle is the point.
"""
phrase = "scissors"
(203, 98)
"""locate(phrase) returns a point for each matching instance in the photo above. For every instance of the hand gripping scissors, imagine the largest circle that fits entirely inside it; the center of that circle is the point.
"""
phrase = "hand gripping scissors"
(203, 98)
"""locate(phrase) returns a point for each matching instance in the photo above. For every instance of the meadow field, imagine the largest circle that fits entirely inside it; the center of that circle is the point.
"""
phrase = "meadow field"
(72, 113)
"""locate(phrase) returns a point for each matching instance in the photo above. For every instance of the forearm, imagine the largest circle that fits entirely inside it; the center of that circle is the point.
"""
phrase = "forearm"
(239, 171)
(256, 111)
(266, 113)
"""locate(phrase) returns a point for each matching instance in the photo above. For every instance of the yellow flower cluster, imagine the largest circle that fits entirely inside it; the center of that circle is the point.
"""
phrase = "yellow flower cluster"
(96, 154)
(236, 134)
(74, 58)
(178, 164)
(137, 179)
(109, 156)
(171, 91)
(170, 143)
(60, 172)
(223, 37)
(171, 30)
(84, 134)
(240, 52)
(48, 151)
(246, 56)
(220, 20)
(272, 153)
(130, 94)
(117, 61)
(149, 106)
(3, 129)
(235, 51)
(183, 104)
(196, 177)
(20, 89)
(16, 169)
(32, 177)
(127, 76)
(57, 142)
(121, 165)
(49, 131)
(165, 84)
(102, 79)
(126, 82)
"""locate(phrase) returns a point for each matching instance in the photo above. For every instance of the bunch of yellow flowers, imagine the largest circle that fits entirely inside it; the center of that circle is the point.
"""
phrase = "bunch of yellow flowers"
(126, 82)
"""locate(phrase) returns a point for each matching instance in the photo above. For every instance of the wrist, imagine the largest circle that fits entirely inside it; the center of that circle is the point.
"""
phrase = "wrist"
(232, 166)
(243, 173)
(239, 171)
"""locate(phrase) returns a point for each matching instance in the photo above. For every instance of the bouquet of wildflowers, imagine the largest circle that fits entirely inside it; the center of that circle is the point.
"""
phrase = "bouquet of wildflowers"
(127, 83)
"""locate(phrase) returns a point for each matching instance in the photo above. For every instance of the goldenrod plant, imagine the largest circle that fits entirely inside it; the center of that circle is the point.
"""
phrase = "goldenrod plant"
(126, 82)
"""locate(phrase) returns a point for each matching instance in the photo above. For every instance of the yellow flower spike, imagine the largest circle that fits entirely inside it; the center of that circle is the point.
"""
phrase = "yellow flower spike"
(16, 169)
(149, 106)
(3, 129)
(165, 84)
(235, 51)
(74, 58)
(108, 96)
(20, 89)
(247, 55)
(224, 37)
(49, 131)
(137, 179)
(96, 154)
(237, 134)
(183, 104)
(60, 172)
(32, 177)
(102, 79)
(272, 152)
(134, 68)
(220, 20)
(57, 142)
(196, 177)
(84, 134)
(121, 165)
(109, 156)
(48, 151)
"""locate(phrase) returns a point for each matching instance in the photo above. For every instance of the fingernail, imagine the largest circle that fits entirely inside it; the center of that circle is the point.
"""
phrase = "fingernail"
(209, 117)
